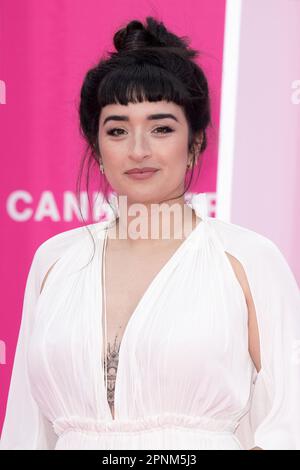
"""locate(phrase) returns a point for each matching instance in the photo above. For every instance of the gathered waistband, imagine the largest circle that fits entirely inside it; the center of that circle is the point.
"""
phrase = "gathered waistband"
(144, 424)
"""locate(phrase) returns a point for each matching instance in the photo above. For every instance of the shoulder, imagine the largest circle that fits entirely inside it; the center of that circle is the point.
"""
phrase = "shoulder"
(54, 247)
(242, 241)
(61, 241)
(259, 260)
(255, 257)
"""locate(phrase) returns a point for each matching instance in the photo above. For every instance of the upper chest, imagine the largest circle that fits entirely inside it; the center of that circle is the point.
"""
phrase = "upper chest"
(127, 276)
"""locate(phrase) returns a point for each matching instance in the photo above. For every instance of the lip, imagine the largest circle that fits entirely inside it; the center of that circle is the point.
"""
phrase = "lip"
(141, 175)
(141, 170)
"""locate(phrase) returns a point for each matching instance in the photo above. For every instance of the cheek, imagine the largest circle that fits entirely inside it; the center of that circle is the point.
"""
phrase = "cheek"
(112, 154)
(173, 154)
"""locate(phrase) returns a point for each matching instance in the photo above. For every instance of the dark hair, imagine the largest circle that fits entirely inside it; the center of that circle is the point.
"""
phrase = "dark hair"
(151, 64)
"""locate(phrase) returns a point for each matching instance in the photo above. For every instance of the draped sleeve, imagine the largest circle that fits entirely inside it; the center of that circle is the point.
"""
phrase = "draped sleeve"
(24, 425)
(275, 408)
(273, 418)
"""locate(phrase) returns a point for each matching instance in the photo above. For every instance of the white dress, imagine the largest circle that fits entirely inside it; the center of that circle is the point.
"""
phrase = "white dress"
(185, 378)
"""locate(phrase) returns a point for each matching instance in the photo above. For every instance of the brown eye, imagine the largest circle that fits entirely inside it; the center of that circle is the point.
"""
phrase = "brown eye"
(112, 131)
(163, 129)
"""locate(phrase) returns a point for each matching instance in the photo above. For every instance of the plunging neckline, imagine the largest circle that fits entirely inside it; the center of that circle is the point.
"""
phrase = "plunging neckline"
(102, 255)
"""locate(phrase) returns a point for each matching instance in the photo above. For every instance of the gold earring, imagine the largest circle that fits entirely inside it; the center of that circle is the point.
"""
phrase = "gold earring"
(101, 167)
(189, 165)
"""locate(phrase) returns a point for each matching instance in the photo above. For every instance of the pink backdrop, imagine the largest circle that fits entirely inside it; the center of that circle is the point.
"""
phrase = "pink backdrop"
(46, 48)
(265, 184)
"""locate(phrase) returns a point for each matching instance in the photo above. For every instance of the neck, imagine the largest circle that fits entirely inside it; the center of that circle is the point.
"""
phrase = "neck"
(141, 222)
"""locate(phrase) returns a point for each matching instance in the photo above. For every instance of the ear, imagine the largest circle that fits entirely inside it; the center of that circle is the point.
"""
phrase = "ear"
(197, 144)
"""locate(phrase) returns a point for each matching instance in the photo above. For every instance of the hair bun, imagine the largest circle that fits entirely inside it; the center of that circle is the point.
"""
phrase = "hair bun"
(137, 36)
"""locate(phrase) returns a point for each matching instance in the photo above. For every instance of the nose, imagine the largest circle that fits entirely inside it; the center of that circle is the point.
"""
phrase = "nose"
(139, 148)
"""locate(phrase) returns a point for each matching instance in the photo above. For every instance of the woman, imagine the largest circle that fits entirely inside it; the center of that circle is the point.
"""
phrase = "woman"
(177, 342)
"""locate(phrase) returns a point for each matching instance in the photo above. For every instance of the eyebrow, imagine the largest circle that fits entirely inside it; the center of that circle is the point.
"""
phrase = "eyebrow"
(150, 117)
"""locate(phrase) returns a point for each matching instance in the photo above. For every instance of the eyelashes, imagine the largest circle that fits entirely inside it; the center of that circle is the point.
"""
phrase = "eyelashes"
(168, 130)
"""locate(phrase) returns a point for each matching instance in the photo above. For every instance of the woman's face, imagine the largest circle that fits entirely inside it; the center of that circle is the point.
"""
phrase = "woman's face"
(147, 134)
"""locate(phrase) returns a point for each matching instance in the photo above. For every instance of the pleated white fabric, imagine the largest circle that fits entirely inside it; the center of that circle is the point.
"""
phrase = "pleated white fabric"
(185, 379)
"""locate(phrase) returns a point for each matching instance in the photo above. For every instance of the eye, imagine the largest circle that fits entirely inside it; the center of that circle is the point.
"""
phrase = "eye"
(164, 128)
(116, 131)
(111, 131)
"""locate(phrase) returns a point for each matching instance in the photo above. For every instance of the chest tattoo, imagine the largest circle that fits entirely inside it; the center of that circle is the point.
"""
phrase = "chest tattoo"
(112, 360)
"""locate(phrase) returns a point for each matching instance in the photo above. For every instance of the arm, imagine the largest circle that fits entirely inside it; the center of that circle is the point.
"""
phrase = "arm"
(254, 349)
(275, 407)
(273, 300)
(24, 426)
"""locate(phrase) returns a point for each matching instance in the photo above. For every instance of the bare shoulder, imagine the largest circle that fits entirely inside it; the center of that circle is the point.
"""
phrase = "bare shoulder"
(240, 274)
